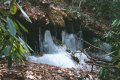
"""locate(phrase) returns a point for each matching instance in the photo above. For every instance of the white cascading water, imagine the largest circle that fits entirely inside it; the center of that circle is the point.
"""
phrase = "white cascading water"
(58, 56)
(79, 41)
(48, 44)
(69, 41)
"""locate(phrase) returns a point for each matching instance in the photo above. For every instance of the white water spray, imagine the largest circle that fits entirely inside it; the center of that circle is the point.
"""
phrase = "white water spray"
(58, 56)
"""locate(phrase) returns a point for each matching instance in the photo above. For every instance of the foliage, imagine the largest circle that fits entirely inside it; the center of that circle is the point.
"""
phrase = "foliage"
(12, 46)
(108, 13)
(113, 37)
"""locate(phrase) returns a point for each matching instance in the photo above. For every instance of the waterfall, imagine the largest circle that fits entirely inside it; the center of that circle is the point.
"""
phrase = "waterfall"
(58, 56)
(79, 41)
(48, 44)
(60, 60)
(71, 41)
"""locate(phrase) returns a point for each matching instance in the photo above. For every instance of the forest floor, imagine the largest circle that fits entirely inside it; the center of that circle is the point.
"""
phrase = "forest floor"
(33, 71)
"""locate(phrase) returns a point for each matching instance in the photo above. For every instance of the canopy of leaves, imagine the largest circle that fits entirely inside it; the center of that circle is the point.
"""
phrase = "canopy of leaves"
(12, 46)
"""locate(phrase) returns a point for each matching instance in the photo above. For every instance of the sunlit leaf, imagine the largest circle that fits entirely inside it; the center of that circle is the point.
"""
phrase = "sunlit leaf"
(24, 14)
(118, 24)
(21, 50)
(114, 22)
(24, 45)
(13, 8)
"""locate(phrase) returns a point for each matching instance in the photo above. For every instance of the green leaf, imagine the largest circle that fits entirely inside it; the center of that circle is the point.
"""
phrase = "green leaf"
(13, 8)
(6, 50)
(118, 23)
(114, 22)
(24, 14)
(118, 65)
(15, 56)
(24, 45)
(21, 50)
(22, 26)
(11, 27)
(17, 27)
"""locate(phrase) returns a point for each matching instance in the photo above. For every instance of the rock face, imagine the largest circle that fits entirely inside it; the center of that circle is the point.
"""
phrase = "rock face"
(58, 18)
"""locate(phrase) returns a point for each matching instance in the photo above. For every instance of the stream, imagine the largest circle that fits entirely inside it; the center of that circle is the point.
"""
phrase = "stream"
(61, 55)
